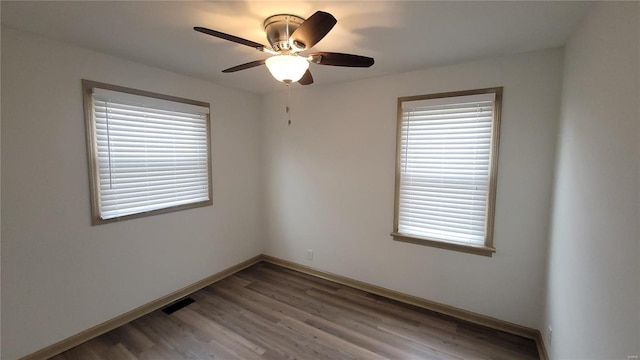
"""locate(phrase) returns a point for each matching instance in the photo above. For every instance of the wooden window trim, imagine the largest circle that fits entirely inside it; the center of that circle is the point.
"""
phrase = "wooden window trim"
(488, 249)
(87, 92)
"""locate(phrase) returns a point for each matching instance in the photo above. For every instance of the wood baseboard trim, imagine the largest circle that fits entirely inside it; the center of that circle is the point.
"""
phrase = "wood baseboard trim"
(469, 316)
(542, 349)
(75, 340)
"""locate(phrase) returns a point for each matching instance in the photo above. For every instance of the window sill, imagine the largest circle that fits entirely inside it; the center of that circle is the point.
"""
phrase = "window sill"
(471, 249)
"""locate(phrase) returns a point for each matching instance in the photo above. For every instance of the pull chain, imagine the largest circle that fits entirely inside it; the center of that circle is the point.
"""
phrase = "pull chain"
(288, 85)
(288, 102)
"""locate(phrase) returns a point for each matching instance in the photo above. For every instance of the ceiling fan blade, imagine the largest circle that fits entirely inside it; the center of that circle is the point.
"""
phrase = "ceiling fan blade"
(235, 39)
(312, 30)
(306, 79)
(340, 59)
(248, 65)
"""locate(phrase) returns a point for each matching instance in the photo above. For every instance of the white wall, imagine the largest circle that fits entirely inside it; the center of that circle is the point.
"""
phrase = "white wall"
(593, 295)
(330, 185)
(60, 275)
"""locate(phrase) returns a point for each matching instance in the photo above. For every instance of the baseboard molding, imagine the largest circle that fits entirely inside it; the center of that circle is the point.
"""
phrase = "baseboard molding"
(472, 317)
(129, 316)
(118, 321)
(542, 349)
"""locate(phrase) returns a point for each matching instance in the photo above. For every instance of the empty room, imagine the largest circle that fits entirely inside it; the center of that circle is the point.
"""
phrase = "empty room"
(320, 180)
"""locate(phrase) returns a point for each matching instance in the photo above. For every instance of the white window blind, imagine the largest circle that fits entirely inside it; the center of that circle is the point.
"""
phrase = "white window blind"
(444, 165)
(151, 153)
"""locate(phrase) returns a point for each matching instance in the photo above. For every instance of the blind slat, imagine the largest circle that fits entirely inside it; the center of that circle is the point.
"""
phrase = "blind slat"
(149, 157)
(445, 158)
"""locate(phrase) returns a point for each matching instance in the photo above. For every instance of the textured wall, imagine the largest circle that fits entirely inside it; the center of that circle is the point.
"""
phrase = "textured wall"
(593, 295)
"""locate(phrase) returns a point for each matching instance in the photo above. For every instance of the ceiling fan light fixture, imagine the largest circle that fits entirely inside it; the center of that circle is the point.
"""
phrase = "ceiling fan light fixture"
(287, 68)
(289, 35)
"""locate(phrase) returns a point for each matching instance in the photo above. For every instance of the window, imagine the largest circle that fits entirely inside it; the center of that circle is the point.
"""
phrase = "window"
(148, 153)
(447, 156)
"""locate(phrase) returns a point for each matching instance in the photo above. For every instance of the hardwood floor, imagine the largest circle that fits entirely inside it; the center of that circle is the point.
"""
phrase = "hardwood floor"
(269, 312)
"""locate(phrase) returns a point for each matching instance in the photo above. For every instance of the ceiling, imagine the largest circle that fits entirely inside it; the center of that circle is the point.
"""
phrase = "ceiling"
(400, 35)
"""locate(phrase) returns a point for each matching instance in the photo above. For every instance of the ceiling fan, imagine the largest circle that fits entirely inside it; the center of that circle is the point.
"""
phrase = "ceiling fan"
(290, 35)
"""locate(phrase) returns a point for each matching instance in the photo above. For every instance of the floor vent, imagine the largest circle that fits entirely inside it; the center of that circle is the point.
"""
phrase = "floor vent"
(178, 305)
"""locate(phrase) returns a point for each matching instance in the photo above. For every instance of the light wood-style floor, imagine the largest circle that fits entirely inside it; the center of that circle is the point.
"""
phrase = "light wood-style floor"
(269, 312)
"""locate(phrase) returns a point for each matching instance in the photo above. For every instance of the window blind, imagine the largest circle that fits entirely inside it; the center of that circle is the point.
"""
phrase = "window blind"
(151, 153)
(445, 155)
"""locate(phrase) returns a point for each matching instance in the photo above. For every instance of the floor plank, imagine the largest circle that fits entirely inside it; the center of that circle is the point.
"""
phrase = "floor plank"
(269, 312)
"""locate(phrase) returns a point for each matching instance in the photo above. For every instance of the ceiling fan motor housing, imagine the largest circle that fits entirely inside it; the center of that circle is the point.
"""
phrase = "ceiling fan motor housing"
(279, 28)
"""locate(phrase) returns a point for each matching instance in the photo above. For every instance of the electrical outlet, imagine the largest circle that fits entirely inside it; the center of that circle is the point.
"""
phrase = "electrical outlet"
(549, 336)
(310, 255)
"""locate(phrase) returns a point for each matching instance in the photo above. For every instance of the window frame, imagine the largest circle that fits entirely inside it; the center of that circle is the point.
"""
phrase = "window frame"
(487, 249)
(92, 151)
